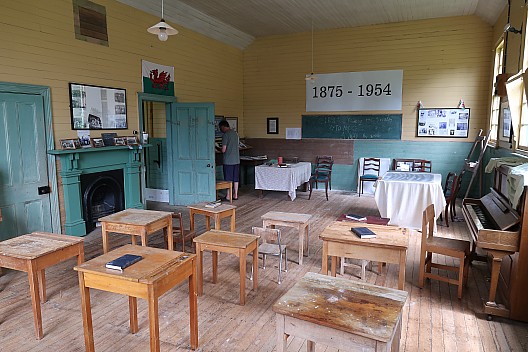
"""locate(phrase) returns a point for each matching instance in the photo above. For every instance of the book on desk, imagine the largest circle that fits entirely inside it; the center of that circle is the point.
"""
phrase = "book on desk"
(213, 204)
(123, 262)
(356, 217)
(363, 232)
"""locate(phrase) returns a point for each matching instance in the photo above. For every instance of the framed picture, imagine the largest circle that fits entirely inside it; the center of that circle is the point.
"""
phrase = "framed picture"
(505, 120)
(96, 107)
(218, 118)
(119, 141)
(131, 140)
(273, 125)
(70, 143)
(97, 142)
(233, 123)
(109, 138)
(443, 122)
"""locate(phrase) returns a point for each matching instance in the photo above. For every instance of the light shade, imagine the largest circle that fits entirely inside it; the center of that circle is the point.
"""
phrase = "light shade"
(162, 30)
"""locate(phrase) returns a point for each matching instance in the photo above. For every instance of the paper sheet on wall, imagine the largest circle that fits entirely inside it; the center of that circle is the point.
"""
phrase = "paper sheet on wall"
(293, 133)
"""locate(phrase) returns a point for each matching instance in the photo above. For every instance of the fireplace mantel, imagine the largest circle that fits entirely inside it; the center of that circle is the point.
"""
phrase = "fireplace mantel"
(76, 162)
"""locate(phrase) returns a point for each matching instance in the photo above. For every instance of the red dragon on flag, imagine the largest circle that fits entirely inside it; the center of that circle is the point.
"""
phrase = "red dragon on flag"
(160, 80)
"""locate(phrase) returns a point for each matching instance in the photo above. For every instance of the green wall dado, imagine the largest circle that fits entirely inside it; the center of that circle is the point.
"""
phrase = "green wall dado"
(76, 162)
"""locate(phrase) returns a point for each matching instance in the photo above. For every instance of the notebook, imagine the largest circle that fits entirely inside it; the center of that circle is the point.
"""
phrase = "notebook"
(356, 217)
(363, 232)
(123, 262)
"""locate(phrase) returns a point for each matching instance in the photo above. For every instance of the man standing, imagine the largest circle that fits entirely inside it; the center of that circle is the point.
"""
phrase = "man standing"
(231, 153)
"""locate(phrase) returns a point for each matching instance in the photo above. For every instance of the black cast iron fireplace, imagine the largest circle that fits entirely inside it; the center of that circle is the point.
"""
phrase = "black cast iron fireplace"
(102, 194)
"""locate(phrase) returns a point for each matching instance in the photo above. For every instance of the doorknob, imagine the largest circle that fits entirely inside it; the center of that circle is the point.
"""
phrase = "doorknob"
(208, 165)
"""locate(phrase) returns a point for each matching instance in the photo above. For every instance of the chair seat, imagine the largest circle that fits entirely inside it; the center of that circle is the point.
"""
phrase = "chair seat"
(369, 177)
(271, 248)
(320, 178)
(444, 245)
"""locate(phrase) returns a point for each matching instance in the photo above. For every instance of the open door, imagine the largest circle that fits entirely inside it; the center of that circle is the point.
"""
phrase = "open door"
(191, 156)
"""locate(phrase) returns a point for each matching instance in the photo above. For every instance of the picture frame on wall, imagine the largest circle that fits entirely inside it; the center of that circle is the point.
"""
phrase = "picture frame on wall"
(273, 125)
(443, 122)
(97, 107)
(233, 123)
(218, 118)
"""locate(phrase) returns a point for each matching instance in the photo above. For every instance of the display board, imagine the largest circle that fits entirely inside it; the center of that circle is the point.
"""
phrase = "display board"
(382, 126)
(443, 122)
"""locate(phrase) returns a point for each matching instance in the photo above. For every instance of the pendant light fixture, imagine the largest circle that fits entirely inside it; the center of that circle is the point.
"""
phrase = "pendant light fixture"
(311, 77)
(162, 29)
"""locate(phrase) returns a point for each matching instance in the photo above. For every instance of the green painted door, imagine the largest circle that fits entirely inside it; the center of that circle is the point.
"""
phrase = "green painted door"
(23, 166)
(190, 138)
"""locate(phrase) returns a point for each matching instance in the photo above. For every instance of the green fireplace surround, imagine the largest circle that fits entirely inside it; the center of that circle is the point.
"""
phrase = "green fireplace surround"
(76, 162)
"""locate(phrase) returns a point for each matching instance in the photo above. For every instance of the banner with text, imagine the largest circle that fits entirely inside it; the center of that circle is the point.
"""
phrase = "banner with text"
(355, 91)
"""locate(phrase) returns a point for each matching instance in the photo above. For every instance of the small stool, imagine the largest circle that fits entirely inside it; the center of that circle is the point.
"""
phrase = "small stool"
(225, 185)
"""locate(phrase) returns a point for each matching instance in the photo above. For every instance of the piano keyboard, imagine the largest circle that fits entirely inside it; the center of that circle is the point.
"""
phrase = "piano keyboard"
(479, 217)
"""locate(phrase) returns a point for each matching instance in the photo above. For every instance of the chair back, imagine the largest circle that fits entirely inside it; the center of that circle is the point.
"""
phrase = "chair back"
(422, 166)
(177, 222)
(450, 184)
(267, 235)
(428, 220)
(372, 165)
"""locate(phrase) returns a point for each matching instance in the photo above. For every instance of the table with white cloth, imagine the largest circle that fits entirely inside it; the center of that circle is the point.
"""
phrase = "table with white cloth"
(403, 196)
(274, 178)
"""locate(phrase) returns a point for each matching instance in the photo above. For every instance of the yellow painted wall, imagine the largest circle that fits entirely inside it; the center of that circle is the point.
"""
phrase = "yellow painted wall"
(443, 61)
(38, 46)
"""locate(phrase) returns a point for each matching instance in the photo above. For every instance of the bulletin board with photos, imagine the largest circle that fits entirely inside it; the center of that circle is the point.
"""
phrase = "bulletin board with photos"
(443, 122)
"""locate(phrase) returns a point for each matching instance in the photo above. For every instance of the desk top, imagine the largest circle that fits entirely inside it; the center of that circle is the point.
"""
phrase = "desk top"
(154, 264)
(355, 307)
(36, 244)
(218, 209)
(226, 238)
(386, 236)
(133, 216)
(288, 217)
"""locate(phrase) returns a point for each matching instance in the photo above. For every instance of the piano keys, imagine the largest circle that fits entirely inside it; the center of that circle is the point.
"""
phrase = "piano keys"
(499, 229)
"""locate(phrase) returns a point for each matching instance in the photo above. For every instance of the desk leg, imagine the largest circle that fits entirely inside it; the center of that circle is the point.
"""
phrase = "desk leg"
(401, 276)
(217, 220)
(104, 233)
(301, 247)
(282, 338)
(307, 234)
(87, 315)
(215, 266)
(255, 268)
(35, 299)
(42, 285)
(153, 319)
(333, 263)
(233, 220)
(193, 308)
(132, 308)
(199, 268)
(242, 263)
(208, 223)
(191, 216)
(144, 237)
(324, 265)
(168, 232)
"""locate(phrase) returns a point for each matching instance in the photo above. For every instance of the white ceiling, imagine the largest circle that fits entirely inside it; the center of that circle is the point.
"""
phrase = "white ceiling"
(239, 22)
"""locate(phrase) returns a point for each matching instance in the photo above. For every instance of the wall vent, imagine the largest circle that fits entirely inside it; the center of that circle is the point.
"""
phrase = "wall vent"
(90, 22)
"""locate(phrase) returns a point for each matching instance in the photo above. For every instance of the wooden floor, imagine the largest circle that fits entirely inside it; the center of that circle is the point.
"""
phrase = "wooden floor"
(433, 318)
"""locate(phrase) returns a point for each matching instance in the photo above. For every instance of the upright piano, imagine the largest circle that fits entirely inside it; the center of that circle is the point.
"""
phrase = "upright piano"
(502, 231)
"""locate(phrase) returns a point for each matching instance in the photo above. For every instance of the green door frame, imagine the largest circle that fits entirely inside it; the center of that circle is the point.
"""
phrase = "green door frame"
(143, 97)
(45, 93)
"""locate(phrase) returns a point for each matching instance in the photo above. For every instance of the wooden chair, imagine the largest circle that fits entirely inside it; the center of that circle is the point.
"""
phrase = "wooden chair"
(270, 244)
(445, 246)
(450, 196)
(421, 165)
(371, 170)
(179, 232)
(322, 173)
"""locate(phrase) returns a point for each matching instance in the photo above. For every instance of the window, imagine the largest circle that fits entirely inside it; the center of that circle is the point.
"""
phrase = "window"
(496, 99)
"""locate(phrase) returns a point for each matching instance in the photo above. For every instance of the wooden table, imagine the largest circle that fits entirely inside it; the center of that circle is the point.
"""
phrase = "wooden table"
(389, 246)
(218, 213)
(34, 253)
(239, 244)
(158, 272)
(298, 221)
(225, 185)
(340, 313)
(137, 222)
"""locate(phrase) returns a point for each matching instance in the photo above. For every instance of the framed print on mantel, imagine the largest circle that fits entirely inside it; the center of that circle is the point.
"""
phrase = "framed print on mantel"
(273, 125)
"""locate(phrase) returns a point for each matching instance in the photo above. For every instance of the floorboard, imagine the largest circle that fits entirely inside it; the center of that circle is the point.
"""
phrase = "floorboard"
(434, 319)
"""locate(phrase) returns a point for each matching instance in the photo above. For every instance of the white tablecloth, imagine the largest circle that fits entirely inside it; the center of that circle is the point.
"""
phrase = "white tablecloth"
(403, 196)
(274, 178)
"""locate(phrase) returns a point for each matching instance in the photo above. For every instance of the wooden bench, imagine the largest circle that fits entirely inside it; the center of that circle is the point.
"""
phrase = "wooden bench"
(225, 185)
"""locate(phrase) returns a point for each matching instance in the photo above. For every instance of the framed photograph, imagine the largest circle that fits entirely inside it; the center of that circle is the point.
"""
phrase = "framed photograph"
(273, 125)
(119, 141)
(443, 122)
(131, 140)
(96, 107)
(505, 120)
(109, 138)
(97, 142)
(233, 123)
(70, 143)
(218, 118)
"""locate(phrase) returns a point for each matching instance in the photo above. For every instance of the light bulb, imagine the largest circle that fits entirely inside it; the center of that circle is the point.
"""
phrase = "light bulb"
(162, 35)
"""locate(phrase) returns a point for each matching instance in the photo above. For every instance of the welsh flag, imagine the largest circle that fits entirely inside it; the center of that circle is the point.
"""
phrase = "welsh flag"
(157, 79)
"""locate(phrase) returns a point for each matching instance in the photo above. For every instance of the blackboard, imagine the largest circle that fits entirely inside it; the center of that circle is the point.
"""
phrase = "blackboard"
(385, 126)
